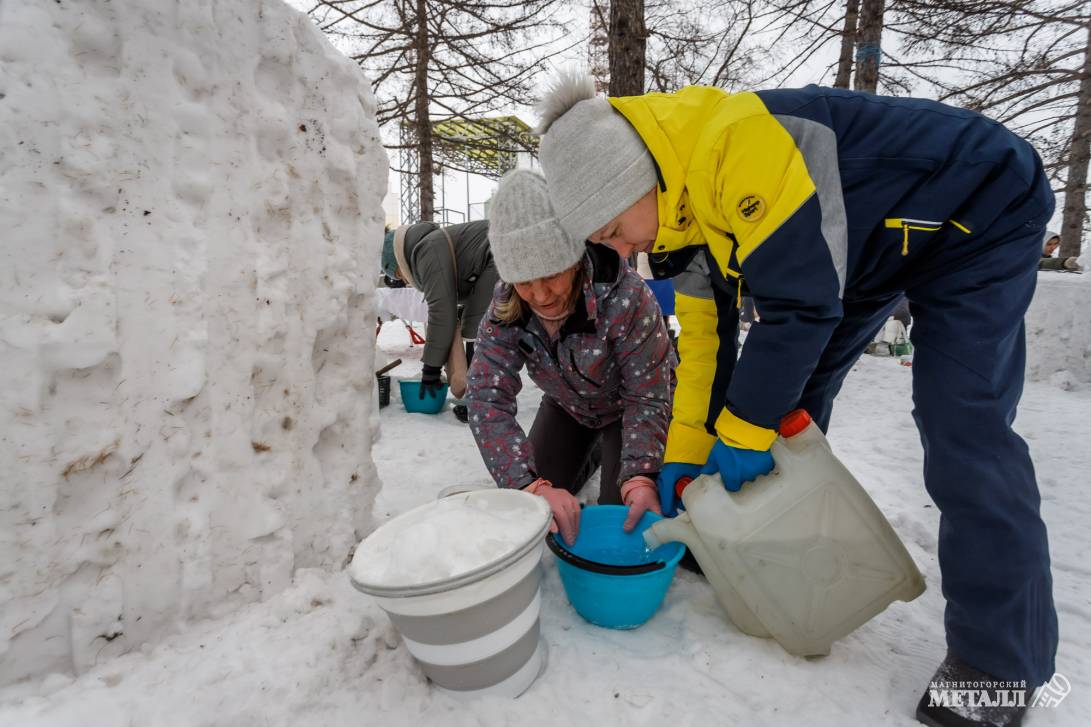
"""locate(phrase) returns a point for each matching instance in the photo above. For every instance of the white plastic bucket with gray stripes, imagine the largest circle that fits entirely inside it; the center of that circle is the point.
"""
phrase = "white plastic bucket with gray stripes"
(476, 632)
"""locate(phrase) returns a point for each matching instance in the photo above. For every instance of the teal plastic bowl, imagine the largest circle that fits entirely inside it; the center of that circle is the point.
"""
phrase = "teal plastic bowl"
(609, 576)
(430, 404)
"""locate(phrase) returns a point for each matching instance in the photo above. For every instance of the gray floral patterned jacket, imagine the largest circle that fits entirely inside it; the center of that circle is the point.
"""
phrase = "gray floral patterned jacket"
(612, 359)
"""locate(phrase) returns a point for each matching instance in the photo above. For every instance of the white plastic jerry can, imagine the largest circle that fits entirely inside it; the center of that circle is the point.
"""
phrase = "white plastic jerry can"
(802, 554)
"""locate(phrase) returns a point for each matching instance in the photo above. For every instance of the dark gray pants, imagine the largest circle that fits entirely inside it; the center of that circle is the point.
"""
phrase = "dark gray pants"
(566, 453)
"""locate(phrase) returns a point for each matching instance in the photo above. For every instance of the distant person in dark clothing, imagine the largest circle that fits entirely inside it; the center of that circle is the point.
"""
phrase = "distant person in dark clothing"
(1050, 244)
(901, 312)
(747, 313)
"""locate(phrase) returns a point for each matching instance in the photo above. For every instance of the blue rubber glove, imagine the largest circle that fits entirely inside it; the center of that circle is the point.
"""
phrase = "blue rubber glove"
(737, 465)
(668, 477)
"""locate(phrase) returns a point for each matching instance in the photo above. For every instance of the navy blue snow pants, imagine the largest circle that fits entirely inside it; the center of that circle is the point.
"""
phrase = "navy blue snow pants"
(968, 370)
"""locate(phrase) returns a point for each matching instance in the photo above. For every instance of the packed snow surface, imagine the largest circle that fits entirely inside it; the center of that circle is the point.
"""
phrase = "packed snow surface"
(445, 539)
(323, 654)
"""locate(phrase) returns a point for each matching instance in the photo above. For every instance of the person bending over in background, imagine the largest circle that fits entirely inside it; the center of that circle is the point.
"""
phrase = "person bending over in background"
(589, 333)
(425, 255)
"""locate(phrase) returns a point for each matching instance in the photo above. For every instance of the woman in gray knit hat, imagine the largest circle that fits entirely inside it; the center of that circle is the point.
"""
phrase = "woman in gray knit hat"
(591, 336)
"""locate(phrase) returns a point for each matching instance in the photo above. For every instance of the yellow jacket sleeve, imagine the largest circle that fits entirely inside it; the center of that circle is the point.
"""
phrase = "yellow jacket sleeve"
(687, 438)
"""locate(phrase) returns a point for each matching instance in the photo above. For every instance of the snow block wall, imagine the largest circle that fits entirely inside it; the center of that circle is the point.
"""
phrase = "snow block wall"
(189, 231)
(1059, 330)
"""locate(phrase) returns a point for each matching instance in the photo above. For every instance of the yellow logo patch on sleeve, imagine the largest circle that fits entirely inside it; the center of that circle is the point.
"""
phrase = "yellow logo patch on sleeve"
(751, 208)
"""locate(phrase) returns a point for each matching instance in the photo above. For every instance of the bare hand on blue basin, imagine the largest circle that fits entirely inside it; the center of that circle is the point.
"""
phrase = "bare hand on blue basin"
(565, 507)
(640, 494)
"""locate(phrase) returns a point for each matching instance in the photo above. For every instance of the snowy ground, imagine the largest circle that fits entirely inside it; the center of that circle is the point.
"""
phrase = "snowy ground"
(323, 654)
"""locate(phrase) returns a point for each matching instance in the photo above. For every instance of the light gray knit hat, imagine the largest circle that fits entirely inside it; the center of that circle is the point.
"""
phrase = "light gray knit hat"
(526, 239)
(596, 164)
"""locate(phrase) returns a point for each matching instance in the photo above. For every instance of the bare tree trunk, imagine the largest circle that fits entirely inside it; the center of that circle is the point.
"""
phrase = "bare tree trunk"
(423, 120)
(868, 44)
(848, 43)
(1079, 153)
(628, 39)
(598, 45)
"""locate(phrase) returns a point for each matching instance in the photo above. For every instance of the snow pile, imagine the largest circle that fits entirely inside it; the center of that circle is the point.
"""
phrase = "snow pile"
(445, 539)
(190, 204)
(1059, 330)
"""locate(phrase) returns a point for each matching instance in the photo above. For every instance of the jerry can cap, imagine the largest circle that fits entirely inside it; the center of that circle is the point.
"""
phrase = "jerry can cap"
(794, 423)
(681, 485)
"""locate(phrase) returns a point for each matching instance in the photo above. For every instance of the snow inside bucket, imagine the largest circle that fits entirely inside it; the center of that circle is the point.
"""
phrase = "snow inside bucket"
(459, 579)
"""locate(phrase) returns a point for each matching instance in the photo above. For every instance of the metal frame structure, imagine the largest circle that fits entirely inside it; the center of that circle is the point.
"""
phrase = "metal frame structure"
(487, 146)
(409, 174)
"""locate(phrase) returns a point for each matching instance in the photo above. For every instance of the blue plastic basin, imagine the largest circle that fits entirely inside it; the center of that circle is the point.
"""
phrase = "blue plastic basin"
(609, 576)
(430, 404)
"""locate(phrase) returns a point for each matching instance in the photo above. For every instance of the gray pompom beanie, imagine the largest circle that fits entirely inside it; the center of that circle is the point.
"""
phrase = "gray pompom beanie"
(596, 165)
(526, 239)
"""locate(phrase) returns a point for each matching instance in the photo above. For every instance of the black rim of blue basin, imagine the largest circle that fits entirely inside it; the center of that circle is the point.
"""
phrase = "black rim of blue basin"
(595, 567)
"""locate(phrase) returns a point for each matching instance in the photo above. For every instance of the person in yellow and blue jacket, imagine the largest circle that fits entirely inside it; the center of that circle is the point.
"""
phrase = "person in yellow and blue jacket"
(826, 206)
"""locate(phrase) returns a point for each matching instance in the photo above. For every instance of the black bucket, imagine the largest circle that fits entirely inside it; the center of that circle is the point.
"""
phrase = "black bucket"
(384, 390)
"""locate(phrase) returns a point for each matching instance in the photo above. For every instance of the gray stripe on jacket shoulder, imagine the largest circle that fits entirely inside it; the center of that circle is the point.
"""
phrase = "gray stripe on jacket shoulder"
(694, 281)
(818, 145)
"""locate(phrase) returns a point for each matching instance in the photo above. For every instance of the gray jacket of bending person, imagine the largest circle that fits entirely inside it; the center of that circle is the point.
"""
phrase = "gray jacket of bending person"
(431, 271)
